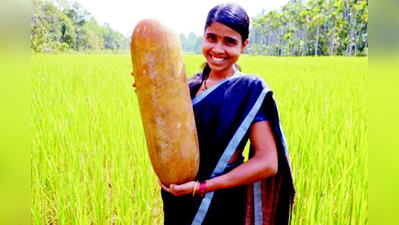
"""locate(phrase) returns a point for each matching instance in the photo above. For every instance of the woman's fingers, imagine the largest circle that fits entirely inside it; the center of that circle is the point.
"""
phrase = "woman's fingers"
(176, 190)
(182, 189)
(134, 83)
(134, 86)
(164, 187)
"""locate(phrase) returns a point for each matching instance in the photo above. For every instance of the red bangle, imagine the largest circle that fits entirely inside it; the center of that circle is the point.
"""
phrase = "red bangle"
(202, 189)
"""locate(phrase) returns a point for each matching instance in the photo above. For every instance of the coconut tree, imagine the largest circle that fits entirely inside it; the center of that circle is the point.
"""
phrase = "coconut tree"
(361, 9)
(313, 27)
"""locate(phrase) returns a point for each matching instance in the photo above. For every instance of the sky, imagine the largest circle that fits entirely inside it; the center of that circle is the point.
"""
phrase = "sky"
(183, 16)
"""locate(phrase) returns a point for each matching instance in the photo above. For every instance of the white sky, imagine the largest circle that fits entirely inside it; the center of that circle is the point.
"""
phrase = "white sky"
(184, 16)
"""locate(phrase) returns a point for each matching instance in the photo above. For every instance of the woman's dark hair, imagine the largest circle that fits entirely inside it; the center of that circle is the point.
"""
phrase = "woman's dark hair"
(231, 15)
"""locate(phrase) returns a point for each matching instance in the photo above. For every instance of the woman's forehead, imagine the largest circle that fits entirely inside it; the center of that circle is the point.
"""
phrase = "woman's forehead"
(221, 30)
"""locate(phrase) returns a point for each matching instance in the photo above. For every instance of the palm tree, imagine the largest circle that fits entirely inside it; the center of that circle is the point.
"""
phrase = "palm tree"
(326, 27)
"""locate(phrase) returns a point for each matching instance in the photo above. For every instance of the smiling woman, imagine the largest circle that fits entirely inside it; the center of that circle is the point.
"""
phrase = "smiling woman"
(222, 47)
(231, 108)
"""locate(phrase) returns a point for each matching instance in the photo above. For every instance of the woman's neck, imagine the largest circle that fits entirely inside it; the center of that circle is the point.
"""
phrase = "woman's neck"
(221, 75)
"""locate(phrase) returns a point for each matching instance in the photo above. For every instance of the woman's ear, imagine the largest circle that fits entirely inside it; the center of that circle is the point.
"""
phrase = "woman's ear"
(244, 45)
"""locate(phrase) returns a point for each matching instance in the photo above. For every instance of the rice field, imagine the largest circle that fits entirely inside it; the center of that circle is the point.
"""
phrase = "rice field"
(89, 163)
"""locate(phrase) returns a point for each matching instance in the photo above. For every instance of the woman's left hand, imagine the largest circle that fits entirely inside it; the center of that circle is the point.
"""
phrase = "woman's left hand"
(180, 189)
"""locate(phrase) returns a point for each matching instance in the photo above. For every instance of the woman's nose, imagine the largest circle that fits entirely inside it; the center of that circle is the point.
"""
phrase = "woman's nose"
(218, 47)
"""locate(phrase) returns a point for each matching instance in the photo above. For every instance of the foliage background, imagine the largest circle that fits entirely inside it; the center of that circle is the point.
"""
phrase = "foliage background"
(68, 26)
(300, 28)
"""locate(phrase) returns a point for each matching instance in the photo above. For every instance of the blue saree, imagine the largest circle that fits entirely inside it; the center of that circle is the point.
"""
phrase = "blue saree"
(223, 115)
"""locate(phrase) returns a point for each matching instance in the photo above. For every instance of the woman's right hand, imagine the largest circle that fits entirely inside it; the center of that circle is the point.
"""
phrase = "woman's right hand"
(181, 189)
(134, 83)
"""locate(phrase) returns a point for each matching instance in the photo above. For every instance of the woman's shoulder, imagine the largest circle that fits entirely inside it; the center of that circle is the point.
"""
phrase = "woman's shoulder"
(253, 79)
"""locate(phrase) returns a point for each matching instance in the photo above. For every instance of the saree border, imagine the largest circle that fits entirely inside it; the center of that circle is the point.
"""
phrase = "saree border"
(258, 214)
(205, 93)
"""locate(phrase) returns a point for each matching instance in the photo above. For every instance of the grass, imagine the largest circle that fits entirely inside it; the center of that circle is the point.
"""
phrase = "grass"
(89, 162)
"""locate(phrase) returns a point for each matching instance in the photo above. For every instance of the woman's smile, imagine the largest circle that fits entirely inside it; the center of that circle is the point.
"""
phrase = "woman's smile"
(217, 59)
(222, 47)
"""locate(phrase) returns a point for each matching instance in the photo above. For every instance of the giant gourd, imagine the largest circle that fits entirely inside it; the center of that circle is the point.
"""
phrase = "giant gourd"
(164, 101)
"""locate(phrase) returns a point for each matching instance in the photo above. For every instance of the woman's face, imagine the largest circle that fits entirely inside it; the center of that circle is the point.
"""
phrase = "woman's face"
(222, 47)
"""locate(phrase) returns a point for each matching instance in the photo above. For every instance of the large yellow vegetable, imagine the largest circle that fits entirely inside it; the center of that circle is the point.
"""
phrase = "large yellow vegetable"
(164, 100)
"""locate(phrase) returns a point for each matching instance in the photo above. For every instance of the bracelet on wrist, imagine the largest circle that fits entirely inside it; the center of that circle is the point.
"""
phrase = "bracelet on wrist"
(195, 188)
(202, 189)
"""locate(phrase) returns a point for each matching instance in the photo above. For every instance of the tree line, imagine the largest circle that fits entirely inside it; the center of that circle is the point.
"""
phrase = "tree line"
(192, 43)
(300, 28)
(68, 26)
(313, 27)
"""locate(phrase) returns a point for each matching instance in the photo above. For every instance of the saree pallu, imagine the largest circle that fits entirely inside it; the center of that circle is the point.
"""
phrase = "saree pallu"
(224, 114)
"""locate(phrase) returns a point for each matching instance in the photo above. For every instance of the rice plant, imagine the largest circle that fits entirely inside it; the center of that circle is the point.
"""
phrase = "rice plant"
(89, 162)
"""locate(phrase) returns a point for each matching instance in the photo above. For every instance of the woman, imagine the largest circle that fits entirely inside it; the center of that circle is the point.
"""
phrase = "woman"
(229, 109)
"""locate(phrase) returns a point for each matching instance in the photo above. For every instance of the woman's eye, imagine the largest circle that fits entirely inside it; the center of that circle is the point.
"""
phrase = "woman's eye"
(211, 38)
(230, 41)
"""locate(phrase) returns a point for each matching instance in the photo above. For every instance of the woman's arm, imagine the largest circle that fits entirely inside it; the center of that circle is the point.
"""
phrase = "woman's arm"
(262, 165)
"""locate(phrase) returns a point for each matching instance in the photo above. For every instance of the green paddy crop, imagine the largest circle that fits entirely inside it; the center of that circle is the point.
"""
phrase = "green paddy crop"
(89, 163)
